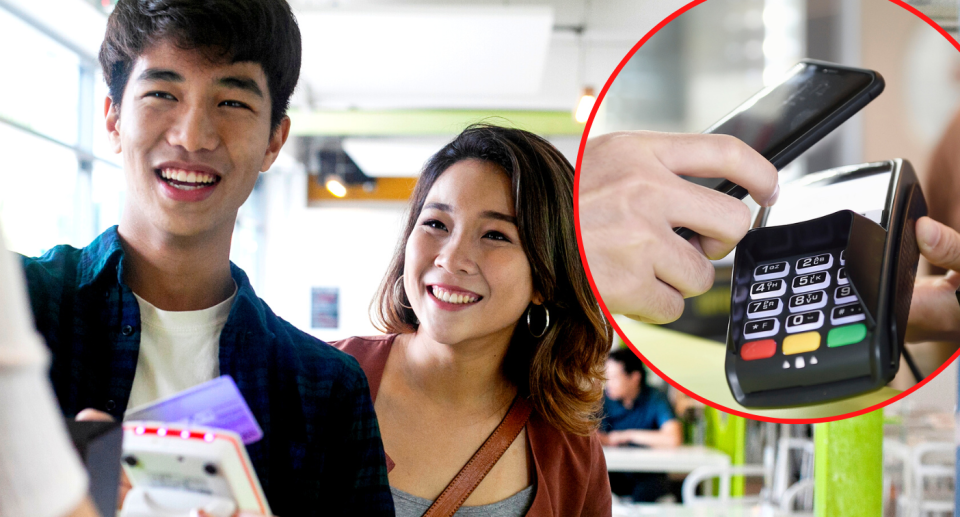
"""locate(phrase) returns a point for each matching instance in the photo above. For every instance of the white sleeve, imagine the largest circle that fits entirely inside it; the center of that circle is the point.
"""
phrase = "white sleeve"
(40, 471)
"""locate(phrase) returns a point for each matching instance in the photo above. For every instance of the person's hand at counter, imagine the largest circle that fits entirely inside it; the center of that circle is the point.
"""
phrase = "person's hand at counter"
(669, 435)
(631, 196)
(934, 310)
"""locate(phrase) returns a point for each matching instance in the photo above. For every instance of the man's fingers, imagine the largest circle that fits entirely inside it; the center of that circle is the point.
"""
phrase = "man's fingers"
(938, 243)
(93, 415)
(661, 304)
(721, 156)
(720, 220)
(686, 270)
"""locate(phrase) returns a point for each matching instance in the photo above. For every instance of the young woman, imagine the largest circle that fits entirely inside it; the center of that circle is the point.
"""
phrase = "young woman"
(487, 307)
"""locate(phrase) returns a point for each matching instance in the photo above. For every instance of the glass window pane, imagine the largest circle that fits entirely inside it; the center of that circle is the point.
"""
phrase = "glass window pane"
(38, 185)
(108, 192)
(40, 87)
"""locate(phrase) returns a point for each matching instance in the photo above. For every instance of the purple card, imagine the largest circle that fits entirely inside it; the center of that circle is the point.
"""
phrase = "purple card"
(217, 403)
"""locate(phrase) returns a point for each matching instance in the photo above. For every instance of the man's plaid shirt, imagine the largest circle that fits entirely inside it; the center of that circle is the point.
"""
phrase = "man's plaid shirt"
(321, 452)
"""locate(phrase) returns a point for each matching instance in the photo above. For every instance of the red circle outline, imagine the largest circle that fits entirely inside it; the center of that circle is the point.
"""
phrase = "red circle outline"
(603, 306)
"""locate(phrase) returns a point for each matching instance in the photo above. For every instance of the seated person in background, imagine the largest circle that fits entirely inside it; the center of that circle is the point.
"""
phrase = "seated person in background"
(636, 414)
(198, 93)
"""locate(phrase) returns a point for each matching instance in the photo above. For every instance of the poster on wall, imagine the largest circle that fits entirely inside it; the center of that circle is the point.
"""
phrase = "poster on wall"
(325, 308)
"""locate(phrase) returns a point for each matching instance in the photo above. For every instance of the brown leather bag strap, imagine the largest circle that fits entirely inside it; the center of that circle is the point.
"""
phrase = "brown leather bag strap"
(463, 484)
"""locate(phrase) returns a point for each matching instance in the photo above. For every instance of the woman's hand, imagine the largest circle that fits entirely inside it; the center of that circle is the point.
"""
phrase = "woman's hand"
(934, 310)
(631, 198)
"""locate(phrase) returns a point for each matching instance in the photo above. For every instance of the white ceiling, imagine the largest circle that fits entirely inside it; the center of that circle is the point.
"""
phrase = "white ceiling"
(490, 54)
(481, 54)
(425, 50)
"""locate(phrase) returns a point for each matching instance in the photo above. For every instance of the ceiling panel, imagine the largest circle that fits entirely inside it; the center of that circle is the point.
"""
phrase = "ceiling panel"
(426, 50)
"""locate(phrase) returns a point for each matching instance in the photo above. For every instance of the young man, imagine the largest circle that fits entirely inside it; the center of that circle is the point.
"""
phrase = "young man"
(198, 95)
(635, 414)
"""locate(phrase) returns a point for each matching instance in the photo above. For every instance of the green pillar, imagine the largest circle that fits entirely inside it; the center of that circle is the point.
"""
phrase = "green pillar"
(848, 466)
(728, 433)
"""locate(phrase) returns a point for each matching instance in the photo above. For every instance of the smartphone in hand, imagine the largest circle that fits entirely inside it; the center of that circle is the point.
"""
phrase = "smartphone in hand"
(784, 120)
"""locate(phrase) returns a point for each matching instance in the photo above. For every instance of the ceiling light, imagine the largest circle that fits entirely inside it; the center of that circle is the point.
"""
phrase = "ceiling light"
(585, 106)
(335, 186)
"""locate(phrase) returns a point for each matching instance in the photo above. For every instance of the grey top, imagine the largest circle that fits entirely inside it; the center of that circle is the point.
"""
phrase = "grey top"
(408, 505)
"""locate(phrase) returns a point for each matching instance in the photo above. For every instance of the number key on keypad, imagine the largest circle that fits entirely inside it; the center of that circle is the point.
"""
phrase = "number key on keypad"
(811, 282)
(808, 301)
(819, 262)
(771, 271)
(844, 294)
(767, 289)
(842, 276)
(764, 308)
(805, 321)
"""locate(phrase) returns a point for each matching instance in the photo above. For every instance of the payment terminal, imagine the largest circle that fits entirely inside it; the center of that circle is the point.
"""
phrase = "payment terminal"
(821, 287)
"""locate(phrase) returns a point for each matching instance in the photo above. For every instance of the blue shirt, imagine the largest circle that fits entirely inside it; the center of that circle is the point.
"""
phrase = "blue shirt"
(650, 411)
(321, 452)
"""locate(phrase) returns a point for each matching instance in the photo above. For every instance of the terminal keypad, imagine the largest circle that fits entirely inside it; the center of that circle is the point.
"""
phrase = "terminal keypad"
(800, 307)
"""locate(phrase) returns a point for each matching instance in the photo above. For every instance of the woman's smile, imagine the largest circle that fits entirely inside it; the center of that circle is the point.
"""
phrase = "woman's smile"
(451, 298)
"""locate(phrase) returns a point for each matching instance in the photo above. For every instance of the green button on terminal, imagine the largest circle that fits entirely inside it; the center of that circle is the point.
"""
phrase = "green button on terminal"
(846, 335)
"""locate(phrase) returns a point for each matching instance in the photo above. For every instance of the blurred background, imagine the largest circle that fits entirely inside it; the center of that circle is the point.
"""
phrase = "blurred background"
(385, 83)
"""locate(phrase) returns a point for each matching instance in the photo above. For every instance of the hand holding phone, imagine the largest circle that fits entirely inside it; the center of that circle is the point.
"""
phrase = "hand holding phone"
(631, 196)
(784, 120)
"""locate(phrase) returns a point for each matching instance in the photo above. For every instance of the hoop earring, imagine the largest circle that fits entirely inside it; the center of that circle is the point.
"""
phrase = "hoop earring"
(399, 298)
(546, 313)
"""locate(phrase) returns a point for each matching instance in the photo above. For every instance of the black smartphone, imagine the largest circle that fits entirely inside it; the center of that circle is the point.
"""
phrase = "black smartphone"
(784, 120)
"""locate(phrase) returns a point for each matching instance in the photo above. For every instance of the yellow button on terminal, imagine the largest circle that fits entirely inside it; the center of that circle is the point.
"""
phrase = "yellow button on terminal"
(800, 343)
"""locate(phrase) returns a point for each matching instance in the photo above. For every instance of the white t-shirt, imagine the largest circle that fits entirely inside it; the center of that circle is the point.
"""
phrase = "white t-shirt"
(178, 350)
(40, 472)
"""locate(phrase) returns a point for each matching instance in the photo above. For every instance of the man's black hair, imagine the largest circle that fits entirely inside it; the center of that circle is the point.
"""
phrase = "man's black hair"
(630, 362)
(231, 31)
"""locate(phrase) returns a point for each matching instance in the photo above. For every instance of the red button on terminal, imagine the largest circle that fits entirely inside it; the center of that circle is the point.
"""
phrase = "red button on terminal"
(758, 349)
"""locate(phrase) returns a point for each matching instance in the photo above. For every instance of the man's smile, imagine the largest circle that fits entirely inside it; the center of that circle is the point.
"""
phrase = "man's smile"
(187, 182)
(187, 179)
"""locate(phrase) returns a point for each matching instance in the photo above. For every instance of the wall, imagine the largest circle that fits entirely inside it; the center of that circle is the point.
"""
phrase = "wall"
(899, 123)
(347, 246)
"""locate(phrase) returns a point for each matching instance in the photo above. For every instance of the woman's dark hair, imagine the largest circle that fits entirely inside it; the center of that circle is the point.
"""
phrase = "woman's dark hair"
(630, 362)
(231, 31)
(562, 371)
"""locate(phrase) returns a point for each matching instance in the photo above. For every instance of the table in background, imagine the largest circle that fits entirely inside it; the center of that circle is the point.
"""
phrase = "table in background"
(683, 459)
(676, 510)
